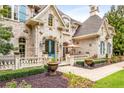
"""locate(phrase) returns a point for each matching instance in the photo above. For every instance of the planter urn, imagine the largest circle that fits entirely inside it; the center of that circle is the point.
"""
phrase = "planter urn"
(89, 62)
(52, 67)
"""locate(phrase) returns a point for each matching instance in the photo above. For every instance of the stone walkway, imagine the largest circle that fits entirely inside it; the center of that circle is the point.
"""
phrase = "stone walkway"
(93, 74)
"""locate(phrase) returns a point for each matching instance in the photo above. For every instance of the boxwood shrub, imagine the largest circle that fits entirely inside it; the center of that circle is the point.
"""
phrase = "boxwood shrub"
(13, 74)
(98, 61)
(81, 63)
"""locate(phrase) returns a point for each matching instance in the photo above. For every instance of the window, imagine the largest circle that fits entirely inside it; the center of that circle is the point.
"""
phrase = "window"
(50, 20)
(15, 12)
(7, 10)
(102, 48)
(109, 48)
(22, 43)
(22, 13)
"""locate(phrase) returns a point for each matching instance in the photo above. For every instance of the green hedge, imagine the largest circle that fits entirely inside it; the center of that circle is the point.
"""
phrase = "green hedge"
(13, 74)
(80, 63)
(97, 61)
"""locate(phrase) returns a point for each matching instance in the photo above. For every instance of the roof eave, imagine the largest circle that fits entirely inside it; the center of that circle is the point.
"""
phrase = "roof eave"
(86, 36)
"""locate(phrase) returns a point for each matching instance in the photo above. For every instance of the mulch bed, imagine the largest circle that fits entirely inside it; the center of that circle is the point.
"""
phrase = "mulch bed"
(43, 81)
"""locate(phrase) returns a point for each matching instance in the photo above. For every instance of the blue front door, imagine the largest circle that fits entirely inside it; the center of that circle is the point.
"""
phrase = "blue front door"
(50, 48)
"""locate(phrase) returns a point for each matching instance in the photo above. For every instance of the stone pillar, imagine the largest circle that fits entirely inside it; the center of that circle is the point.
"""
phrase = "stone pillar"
(62, 46)
(36, 41)
(72, 60)
(17, 60)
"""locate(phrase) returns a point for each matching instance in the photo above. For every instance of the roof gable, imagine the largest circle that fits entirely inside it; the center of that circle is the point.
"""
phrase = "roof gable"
(90, 26)
(47, 8)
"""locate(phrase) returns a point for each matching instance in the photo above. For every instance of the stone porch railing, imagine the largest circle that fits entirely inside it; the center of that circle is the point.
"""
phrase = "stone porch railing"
(13, 62)
(71, 59)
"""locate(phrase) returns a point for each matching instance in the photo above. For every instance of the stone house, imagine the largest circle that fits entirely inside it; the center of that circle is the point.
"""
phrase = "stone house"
(45, 30)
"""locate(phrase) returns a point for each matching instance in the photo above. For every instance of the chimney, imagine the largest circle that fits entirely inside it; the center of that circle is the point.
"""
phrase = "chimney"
(94, 10)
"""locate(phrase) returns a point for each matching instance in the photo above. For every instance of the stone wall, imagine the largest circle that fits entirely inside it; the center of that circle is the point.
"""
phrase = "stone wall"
(18, 30)
(87, 46)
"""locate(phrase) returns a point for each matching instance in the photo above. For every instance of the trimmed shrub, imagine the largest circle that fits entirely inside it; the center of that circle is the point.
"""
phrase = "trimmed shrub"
(115, 59)
(98, 61)
(121, 58)
(13, 74)
(81, 63)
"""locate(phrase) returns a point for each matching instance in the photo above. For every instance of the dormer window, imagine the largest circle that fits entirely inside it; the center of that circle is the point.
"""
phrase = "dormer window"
(50, 20)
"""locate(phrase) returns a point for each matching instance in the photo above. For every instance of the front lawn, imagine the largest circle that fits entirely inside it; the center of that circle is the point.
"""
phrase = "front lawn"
(115, 80)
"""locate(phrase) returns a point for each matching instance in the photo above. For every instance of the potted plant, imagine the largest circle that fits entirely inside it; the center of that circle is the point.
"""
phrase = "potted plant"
(52, 66)
(89, 62)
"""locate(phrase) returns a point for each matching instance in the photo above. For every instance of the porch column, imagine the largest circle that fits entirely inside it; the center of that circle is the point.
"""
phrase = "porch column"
(36, 41)
(62, 46)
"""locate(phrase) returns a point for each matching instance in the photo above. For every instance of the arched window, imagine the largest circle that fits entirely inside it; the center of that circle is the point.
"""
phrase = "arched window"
(102, 48)
(22, 13)
(109, 48)
(22, 43)
(50, 20)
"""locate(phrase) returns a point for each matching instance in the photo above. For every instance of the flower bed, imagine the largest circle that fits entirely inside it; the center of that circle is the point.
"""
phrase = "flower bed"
(77, 81)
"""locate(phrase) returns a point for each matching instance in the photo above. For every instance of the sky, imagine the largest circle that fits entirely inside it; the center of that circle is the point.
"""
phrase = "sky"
(81, 12)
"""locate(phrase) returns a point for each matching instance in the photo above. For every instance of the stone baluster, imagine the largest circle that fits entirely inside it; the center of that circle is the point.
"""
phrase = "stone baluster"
(17, 60)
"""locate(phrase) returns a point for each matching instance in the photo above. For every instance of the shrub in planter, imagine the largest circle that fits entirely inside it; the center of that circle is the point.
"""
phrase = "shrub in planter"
(89, 62)
(52, 66)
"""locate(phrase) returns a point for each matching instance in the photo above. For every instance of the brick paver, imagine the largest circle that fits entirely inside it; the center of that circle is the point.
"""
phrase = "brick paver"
(93, 74)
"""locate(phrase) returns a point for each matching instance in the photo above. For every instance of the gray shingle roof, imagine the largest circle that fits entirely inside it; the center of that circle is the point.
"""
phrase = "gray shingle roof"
(90, 26)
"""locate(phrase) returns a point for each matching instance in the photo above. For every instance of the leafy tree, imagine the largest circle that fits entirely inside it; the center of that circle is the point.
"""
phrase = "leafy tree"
(5, 36)
(116, 18)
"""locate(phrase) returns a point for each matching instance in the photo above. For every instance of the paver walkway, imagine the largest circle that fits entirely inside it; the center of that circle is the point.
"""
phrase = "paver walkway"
(93, 74)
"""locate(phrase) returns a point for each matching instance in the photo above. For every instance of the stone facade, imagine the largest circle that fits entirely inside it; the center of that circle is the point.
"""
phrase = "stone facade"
(36, 31)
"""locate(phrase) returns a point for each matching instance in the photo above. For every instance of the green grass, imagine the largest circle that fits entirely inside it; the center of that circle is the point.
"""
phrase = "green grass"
(13, 74)
(115, 80)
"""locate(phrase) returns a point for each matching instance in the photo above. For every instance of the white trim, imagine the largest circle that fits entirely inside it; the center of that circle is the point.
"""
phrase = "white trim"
(59, 15)
(12, 12)
(42, 11)
(45, 9)
(78, 37)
